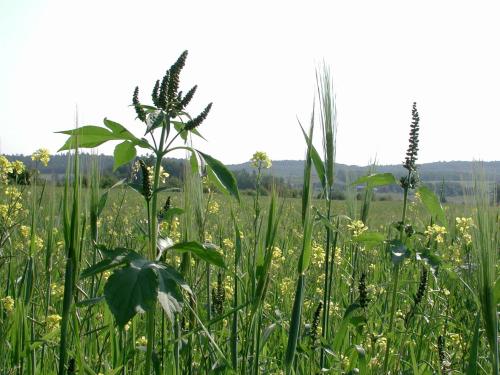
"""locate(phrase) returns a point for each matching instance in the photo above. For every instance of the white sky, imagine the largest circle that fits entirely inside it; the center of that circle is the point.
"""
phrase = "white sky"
(256, 60)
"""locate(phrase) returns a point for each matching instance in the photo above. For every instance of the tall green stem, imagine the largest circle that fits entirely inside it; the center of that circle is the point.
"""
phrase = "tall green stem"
(396, 279)
(153, 223)
(326, 291)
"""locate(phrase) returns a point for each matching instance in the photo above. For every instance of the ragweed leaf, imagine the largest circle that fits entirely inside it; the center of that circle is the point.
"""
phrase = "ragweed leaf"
(86, 137)
(169, 294)
(223, 175)
(131, 290)
(431, 202)
(112, 258)
(377, 179)
(206, 252)
(124, 153)
(370, 239)
(136, 287)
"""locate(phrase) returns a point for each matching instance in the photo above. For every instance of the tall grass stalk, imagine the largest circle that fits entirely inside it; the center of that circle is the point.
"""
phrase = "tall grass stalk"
(328, 120)
(485, 250)
(305, 257)
(71, 237)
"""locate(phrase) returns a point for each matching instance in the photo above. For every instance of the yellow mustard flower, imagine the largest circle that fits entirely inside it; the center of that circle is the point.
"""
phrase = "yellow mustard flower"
(356, 227)
(260, 160)
(436, 232)
(228, 244)
(52, 321)
(42, 155)
(213, 207)
(8, 303)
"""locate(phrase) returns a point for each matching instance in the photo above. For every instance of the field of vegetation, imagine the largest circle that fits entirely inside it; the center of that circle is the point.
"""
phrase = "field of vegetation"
(142, 279)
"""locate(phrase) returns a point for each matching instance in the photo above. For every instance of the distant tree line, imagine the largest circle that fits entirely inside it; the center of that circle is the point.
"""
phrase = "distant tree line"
(450, 186)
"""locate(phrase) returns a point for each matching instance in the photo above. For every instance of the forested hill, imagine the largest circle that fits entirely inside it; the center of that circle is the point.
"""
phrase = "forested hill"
(292, 170)
(454, 174)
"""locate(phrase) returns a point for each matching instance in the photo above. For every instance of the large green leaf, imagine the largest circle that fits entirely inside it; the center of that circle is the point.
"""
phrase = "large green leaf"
(206, 252)
(122, 133)
(135, 288)
(225, 177)
(431, 202)
(90, 136)
(377, 179)
(131, 290)
(87, 137)
(370, 239)
(169, 294)
(112, 258)
(124, 153)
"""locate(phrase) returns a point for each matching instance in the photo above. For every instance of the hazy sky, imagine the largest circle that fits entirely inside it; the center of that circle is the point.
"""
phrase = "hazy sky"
(256, 61)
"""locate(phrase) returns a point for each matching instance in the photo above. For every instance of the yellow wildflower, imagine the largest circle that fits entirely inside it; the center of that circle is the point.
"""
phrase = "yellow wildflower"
(13, 193)
(436, 232)
(278, 258)
(260, 160)
(286, 285)
(228, 244)
(52, 321)
(18, 167)
(8, 303)
(318, 254)
(5, 168)
(42, 155)
(213, 207)
(25, 231)
(356, 227)
(463, 225)
(141, 341)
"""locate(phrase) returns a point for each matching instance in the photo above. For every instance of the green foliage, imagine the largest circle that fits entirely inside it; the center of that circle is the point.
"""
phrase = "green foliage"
(431, 202)
(378, 179)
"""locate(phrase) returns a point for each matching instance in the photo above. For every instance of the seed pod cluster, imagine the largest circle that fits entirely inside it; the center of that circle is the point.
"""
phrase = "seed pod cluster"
(363, 293)
(167, 97)
(411, 153)
(421, 287)
(194, 123)
(147, 187)
(218, 296)
(315, 323)
(141, 114)
(417, 298)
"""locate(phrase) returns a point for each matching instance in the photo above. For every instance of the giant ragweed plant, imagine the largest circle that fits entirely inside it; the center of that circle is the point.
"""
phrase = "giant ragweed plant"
(140, 279)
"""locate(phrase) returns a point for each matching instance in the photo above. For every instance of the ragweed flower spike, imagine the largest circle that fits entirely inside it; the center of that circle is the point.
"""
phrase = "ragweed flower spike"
(147, 188)
(162, 97)
(315, 323)
(175, 70)
(185, 101)
(363, 292)
(194, 123)
(411, 153)
(141, 114)
(154, 94)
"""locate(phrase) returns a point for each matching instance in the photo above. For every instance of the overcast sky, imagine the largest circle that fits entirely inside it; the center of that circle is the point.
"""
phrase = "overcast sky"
(256, 61)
